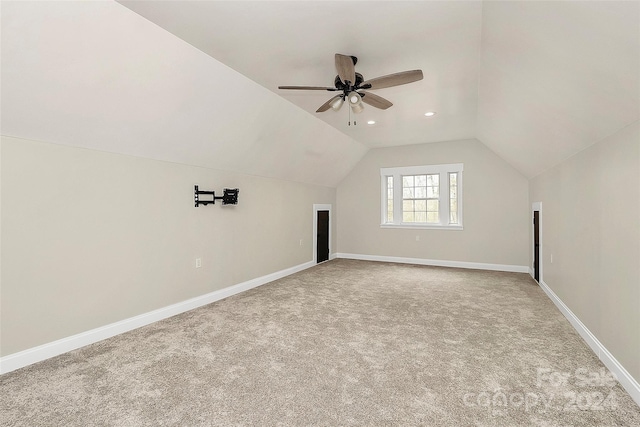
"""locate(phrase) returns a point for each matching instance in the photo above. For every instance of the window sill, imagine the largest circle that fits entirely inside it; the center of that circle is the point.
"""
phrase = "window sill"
(423, 227)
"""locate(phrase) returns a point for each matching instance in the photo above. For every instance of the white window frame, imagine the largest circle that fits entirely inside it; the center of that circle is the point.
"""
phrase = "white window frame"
(398, 172)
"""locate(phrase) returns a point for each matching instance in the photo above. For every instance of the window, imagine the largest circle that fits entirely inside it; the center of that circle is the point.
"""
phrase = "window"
(422, 196)
(389, 199)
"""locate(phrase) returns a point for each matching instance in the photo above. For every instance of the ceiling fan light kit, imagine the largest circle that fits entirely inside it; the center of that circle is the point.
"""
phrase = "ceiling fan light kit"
(337, 102)
(352, 85)
(355, 101)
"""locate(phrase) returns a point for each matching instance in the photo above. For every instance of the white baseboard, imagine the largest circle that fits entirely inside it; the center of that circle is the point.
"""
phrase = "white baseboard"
(27, 357)
(36, 354)
(438, 263)
(624, 378)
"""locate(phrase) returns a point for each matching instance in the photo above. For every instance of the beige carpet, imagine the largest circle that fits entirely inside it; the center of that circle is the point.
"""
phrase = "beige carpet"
(343, 343)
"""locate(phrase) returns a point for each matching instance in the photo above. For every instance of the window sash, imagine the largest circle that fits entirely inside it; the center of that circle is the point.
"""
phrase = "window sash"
(419, 193)
(389, 214)
(453, 198)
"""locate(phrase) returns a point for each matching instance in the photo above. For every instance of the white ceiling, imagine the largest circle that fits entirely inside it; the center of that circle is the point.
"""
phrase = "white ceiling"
(534, 81)
(556, 77)
(293, 43)
(96, 75)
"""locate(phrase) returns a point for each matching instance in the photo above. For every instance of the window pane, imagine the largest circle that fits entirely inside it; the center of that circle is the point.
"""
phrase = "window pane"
(414, 204)
(420, 195)
(407, 193)
(453, 208)
(453, 198)
(390, 199)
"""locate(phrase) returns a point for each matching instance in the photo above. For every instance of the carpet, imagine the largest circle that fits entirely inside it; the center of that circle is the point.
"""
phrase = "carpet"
(343, 343)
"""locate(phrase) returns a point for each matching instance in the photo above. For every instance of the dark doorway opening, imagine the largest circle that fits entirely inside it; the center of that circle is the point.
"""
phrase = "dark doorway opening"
(322, 241)
(536, 245)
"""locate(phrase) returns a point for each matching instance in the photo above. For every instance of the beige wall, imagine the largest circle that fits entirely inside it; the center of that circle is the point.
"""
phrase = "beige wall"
(591, 225)
(496, 208)
(90, 238)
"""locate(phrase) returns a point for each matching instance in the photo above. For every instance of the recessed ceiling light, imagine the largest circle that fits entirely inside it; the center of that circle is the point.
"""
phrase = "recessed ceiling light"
(430, 114)
(371, 122)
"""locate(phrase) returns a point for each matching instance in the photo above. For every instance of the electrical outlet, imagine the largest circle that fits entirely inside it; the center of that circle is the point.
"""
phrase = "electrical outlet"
(551, 258)
(198, 262)
(300, 242)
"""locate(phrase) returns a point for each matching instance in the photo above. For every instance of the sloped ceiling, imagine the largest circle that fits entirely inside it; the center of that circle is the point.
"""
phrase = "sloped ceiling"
(97, 75)
(534, 81)
(556, 77)
(293, 43)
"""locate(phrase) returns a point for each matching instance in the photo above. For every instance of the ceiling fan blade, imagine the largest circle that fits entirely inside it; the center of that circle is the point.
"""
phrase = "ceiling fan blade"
(375, 100)
(395, 79)
(346, 68)
(327, 105)
(308, 88)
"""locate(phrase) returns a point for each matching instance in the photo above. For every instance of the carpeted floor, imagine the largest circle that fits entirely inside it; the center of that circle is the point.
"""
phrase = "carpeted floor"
(343, 343)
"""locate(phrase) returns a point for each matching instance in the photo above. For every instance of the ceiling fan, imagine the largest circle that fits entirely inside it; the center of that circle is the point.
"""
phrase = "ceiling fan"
(352, 85)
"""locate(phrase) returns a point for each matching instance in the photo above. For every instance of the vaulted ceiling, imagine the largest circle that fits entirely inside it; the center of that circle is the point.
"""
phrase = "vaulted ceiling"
(536, 82)
(293, 43)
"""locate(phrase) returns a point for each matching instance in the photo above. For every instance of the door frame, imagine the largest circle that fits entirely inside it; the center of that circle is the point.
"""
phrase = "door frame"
(536, 206)
(314, 249)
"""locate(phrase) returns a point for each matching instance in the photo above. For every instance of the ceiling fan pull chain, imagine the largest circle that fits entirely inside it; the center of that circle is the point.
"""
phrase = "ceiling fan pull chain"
(354, 120)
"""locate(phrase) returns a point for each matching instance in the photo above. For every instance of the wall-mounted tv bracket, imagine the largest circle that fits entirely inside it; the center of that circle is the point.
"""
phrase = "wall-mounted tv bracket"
(229, 197)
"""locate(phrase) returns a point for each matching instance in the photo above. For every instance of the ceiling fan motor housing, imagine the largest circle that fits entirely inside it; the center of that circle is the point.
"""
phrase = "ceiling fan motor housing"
(354, 85)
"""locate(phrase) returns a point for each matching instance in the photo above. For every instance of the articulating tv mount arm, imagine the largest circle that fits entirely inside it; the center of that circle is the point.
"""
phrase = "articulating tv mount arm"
(229, 197)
